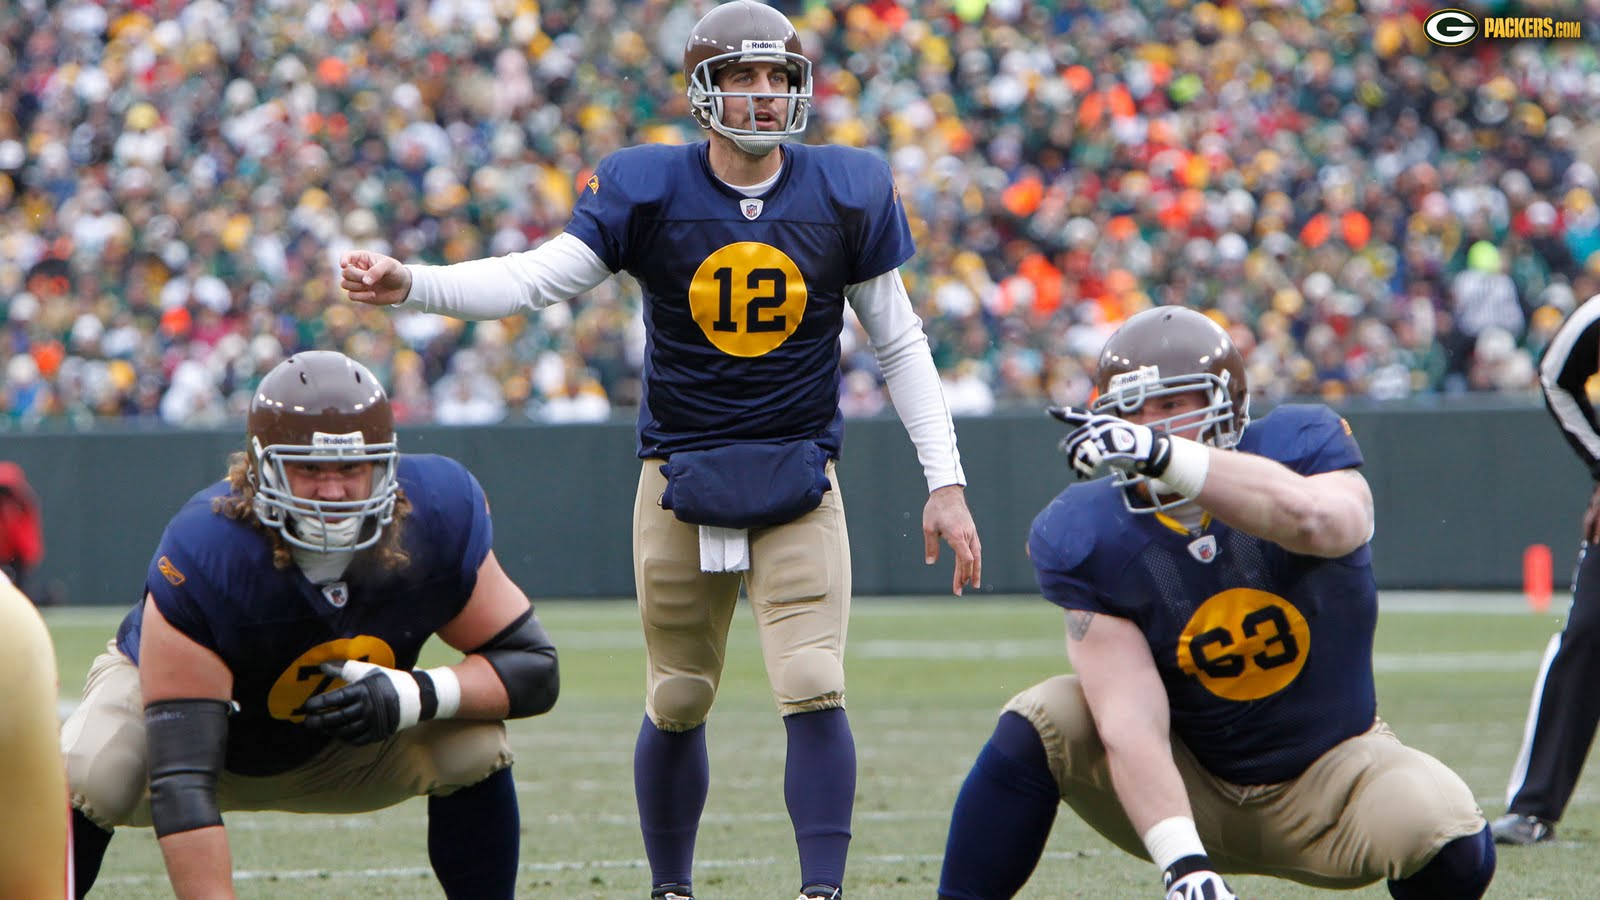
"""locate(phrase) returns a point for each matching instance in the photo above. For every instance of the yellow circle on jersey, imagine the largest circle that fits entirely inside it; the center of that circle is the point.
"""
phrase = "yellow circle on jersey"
(748, 298)
(304, 678)
(1245, 644)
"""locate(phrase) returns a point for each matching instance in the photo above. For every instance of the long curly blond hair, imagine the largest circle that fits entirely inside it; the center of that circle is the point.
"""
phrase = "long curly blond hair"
(239, 505)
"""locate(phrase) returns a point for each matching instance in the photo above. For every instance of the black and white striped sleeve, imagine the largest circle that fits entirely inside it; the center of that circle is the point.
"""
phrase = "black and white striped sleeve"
(1573, 356)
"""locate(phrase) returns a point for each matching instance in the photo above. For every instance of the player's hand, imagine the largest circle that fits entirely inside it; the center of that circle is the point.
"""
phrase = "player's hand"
(1591, 519)
(376, 703)
(1100, 443)
(1201, 885)
(373, 278)
(946, 516)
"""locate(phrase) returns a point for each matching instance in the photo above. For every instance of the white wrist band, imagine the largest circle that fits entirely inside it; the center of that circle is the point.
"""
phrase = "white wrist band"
(447, 689)
(1170, 840)
(1186, 470)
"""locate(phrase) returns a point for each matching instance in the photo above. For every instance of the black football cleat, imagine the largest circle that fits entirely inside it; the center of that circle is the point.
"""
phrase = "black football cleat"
(672, 892)
(821, 892)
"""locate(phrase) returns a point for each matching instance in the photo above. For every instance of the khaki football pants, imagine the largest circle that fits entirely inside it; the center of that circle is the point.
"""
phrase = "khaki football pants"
(1368, 809)
(105, 749)
(34, 832)
(799, 589)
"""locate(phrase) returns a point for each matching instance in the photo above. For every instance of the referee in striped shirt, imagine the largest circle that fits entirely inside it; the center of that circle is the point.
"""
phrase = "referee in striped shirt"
(1565, 707)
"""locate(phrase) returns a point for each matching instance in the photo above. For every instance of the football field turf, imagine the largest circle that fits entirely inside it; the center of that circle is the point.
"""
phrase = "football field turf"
(927, 678)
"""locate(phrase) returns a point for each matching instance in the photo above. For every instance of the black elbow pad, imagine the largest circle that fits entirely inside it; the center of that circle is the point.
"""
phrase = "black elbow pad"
(188, 742)
(525, 659)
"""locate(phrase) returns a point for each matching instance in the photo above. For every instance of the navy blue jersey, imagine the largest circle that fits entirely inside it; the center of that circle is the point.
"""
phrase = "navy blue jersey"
(1266, 654)
(213, 579)
(744, 297)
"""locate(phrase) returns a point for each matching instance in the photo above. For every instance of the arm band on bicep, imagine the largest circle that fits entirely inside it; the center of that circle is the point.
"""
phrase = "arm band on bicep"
(188, 741)
(525, 659)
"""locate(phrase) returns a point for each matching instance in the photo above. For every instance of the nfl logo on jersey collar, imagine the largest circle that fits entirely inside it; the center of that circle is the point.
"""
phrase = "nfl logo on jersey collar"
(752, 207)
(336, 594)
(1204, 548)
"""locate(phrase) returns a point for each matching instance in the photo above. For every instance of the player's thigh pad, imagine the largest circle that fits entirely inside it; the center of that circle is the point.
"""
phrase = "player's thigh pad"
(1058, 710)
(685, 612)
(1390, 808)
(33, 832)
(433, 758)
(103, 745)
(799, 588)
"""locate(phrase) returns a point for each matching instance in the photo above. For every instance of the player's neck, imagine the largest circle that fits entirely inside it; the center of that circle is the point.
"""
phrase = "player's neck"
(741, 169)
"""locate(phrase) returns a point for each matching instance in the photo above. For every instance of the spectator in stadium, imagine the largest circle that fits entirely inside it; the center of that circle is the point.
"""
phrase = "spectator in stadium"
(748, 247)
(1127, 148)
(1565, 710)
(1220, 611)
(34, 837)
(269, 664)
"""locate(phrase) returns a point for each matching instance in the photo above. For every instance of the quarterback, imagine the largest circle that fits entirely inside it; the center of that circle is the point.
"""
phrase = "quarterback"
(269, 664)
(747, 249)
(1220, 610)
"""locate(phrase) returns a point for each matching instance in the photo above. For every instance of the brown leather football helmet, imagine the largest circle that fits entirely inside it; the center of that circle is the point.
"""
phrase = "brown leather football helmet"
(745, 31)
(1169, 350)
(321, 406)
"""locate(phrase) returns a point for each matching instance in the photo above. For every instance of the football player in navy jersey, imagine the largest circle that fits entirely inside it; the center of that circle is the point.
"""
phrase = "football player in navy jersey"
(747, 248)
(269, 664)
(1220, 610)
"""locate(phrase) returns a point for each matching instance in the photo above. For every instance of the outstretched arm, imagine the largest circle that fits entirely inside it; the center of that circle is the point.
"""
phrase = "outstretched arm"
(491, 288)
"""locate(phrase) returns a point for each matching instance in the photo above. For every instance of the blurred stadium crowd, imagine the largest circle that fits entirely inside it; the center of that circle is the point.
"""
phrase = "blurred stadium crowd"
(1371, 215)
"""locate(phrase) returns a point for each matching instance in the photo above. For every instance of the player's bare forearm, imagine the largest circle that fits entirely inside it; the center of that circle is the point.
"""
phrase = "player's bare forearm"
(199, 864)
(1327, 515)
(1129, 705)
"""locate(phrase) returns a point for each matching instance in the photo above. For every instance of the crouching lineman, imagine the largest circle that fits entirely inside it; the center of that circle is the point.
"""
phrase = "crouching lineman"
(269, 665)
(1220, 609)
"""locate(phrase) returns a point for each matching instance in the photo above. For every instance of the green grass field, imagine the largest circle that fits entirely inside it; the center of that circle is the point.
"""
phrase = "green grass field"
(927, 678)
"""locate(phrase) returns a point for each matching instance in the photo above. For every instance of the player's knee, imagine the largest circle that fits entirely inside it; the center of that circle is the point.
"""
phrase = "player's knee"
(1462, 868)
(1058, 709)
(680, 702)
(466, 754)
(810, 680)
(107, 786)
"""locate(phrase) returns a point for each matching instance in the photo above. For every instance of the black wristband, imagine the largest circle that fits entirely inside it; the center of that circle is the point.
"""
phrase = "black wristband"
(1194, 862)
(426, 694)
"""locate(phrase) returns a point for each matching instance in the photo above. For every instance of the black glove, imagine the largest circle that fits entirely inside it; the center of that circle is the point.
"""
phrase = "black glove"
(1100, 444)
(376, 703)
(1191, 878)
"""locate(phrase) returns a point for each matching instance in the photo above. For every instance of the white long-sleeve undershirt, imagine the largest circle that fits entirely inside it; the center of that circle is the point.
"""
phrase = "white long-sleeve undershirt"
(564, 267)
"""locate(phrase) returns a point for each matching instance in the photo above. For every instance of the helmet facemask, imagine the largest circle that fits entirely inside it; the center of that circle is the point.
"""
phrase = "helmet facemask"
(707, 101)
(1216, 423)
(324, 526)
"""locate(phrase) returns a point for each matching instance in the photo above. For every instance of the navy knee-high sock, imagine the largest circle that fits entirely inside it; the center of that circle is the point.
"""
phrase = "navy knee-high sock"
(671, 776)
(1461, 870)
(1002, 818)
(473, 838)
(89, 842)
(819, 786)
